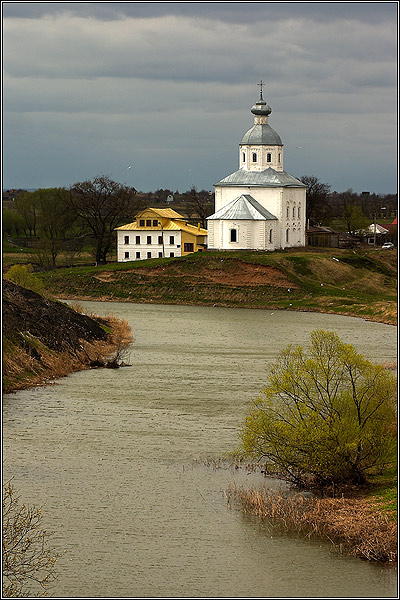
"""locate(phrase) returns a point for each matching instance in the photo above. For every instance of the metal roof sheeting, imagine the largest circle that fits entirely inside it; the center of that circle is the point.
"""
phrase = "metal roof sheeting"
(245, 207)
(267, 178)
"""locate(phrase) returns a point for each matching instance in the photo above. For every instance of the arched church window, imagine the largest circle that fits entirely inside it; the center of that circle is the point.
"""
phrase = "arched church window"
(243, 156)
(298, 212)
(254, 156)
(233, 235)
(287, 212)
(287, 235)
(294, 212)
(270, 236)
(269, 157)
(279, 157)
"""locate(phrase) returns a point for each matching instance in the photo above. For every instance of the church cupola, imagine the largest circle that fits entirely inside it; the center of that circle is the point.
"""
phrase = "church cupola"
(261, 110)
(261, 147)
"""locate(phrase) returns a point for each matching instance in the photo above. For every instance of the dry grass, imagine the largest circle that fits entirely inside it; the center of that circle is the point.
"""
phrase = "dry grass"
(22, 369)
(353, 525)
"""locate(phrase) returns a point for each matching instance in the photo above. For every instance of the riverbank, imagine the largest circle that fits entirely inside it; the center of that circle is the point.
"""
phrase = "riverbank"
(358, 524)
(44, 340)
(359, 283)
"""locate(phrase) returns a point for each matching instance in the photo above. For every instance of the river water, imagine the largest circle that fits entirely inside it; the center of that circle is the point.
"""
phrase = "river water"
(116, 458)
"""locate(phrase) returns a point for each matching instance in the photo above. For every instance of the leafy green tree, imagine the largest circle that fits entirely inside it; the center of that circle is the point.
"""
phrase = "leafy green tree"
(325, 417)
(28, 560)
(23, 276)
(350, 212)
(355, 220)
(101, 205)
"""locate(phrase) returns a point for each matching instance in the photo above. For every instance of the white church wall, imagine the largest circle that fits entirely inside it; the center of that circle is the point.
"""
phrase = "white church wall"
(269, 198)
(248, 235)
(211, 234)
(275, 153)
(288, 205)
(294, 217)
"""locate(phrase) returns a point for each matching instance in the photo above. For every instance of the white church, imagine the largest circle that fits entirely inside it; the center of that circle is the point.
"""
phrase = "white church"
(259, 206)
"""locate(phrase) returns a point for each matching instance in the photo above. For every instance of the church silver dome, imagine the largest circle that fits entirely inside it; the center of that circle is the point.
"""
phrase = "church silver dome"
(261, 134)
(261, 108)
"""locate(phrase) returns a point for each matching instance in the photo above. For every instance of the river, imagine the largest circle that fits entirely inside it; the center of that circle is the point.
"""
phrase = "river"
(116, 458)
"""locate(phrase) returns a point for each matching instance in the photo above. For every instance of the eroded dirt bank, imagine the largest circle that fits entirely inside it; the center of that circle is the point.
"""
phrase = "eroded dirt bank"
(44, 339)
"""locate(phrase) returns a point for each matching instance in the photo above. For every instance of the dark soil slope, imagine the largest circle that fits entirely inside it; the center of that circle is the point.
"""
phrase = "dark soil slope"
(45, 339)
(53, 323)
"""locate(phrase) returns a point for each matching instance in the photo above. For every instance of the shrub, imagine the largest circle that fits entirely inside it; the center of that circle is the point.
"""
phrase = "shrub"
(23, 276)
(326, 417)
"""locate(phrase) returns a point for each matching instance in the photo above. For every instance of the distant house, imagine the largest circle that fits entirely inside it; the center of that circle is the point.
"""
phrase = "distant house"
(323, 237)
(375, 233)
(346, 240)
(391, 227)
(158, 233)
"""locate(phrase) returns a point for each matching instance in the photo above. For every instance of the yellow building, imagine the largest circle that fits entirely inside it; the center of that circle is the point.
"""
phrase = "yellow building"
(159, 233)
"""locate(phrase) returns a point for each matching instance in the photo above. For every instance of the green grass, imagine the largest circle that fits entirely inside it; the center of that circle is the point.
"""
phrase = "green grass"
(10, 247)
(359, 283)
(384, 492)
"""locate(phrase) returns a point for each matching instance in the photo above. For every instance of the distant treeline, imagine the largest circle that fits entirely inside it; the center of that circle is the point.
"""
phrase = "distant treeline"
(56, 220)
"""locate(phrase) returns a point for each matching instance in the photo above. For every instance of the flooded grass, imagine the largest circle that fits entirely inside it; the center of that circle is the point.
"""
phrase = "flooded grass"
(353, 525)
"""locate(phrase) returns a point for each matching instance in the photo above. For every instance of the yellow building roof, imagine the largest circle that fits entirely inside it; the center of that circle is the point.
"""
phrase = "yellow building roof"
(171, 225)
(166, 213)
(176, 222)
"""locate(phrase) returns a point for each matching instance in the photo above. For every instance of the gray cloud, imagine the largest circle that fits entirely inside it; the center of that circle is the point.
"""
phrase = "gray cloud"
(88, 87)
(229, 12)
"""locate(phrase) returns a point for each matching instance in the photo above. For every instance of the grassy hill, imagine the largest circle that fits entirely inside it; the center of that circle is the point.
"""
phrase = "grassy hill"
(360, 282)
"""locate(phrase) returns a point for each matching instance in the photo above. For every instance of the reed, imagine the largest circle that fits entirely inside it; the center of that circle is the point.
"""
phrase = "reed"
(352, 525)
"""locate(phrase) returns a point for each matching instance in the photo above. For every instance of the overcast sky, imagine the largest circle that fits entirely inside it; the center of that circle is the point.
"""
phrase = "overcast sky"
(166, 89)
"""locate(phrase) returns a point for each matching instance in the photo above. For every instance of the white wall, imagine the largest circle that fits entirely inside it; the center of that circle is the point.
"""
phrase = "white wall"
(293, 217)
(269, 198)
(154, 248)
(251, 235)
(276, 153)
(280, 202)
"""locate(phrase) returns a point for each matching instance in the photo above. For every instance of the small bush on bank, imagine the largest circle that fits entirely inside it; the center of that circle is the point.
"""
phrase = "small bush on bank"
(23, 275)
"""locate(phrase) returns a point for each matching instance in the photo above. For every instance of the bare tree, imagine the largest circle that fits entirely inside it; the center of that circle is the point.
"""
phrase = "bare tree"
(28, 561)
(101, 205)
(27, 207)
(55, 222)
(200, 204)
(317, 198)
